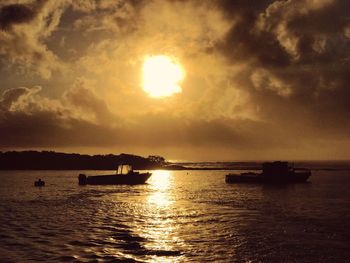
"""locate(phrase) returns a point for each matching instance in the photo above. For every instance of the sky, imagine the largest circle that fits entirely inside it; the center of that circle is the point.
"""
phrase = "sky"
(262, 79)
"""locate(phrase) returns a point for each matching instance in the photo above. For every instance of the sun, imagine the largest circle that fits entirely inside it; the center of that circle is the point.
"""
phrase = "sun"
(162, 76)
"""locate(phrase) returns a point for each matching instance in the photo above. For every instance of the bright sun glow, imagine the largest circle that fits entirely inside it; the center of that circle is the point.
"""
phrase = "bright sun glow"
(160, 182)
(162, 76)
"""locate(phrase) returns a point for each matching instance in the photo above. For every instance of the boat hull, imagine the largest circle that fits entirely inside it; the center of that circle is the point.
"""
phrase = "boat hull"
(297, 177)
(130, 179)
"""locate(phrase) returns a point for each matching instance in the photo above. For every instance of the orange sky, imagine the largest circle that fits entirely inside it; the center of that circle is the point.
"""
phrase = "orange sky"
(262, 79)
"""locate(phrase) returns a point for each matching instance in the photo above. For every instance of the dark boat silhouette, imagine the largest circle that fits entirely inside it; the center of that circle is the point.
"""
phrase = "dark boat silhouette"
(124, 175)
(272, 172)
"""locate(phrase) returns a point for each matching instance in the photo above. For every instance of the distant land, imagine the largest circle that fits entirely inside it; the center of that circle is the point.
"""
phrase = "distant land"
(50, 160)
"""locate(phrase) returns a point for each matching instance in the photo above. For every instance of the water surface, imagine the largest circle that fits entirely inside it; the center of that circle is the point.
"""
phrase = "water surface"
(178, 216)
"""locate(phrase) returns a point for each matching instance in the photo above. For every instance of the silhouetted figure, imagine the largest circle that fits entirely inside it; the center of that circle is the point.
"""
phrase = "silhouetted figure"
(39, 183)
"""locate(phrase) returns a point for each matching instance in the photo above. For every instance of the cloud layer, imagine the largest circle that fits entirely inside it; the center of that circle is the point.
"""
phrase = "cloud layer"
(267, 79)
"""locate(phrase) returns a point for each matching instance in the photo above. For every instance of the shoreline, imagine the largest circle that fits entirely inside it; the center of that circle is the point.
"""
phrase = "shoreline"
(182, 169)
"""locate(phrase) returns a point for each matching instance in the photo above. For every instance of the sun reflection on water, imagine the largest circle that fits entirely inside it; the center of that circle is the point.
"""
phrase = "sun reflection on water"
(161, 229)
(160, 179)
(160, 182)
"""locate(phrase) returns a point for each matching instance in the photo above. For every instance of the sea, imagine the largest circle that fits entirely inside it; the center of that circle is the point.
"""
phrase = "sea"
(177, 216)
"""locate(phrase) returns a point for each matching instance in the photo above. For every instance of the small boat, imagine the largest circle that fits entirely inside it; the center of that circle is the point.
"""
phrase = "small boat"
(39, 183)
(124, 175)
(272, 172)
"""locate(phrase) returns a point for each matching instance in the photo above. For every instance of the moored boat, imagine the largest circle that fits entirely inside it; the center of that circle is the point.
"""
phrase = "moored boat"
(272, 172)
(124, 175)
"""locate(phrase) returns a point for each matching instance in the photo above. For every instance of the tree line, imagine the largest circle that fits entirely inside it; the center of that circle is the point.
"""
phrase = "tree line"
(50, 160)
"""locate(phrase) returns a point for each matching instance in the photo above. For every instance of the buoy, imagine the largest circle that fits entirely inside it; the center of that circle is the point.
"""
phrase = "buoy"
(39, 183)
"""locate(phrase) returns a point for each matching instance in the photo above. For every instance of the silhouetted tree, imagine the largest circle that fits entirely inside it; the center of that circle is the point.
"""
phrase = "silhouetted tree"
(157, 159)
(49, 160)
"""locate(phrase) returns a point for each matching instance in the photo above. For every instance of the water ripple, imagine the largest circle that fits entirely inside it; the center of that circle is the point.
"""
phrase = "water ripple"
(176, 217)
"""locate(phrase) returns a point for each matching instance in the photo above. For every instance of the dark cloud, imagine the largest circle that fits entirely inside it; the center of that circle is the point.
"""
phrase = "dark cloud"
(16, 14)
(297, 54)
(85, 100)
(242, 7)
(28, 120)
(314, 34)
(24, 29)
(11, 95)
(276, 33)
(242, 45)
